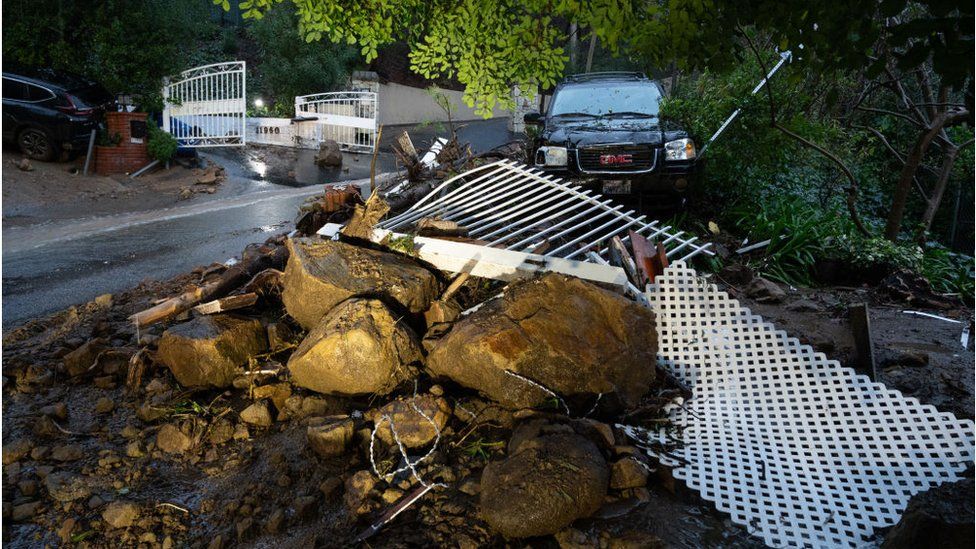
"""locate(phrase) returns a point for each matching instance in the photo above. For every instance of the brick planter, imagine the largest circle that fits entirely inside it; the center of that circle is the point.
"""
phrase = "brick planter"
(127, 157)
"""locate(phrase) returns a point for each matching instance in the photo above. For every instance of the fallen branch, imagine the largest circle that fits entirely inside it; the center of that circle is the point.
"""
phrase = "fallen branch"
(227, 304)
(231, 279)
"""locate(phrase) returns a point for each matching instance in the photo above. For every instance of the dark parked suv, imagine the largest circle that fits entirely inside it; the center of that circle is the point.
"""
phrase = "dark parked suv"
(46, 113)
(605, 126)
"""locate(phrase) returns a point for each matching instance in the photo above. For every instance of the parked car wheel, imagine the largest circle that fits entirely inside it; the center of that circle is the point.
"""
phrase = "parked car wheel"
(36, 144)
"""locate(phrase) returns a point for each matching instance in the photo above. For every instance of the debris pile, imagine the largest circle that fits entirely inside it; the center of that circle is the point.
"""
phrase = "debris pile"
(346, 382)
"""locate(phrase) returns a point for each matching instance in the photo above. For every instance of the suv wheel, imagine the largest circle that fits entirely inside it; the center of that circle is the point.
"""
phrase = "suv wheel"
(35, 144)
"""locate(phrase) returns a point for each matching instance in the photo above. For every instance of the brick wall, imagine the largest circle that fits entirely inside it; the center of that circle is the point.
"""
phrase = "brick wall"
(127, 157)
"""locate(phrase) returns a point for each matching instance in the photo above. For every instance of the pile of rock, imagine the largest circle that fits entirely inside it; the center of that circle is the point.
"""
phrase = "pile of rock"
(554, 340)
(359, 389)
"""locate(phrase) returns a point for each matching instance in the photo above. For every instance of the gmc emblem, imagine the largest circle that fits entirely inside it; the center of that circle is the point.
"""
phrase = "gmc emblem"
(616, 159)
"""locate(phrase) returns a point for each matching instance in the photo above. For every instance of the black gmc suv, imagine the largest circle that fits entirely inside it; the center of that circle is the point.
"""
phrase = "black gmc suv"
(605, 127)
(47, 113)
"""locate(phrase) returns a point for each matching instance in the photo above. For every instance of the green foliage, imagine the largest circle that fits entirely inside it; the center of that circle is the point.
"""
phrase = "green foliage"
(289, 66)
(482, 449)
(797, 232)
(129, 46)
(949, 272)
(105, 139)
(875, 254)
(490, 45)
(161, 145)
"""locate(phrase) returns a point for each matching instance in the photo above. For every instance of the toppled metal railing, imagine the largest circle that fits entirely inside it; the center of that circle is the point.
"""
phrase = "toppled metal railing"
(511, 206)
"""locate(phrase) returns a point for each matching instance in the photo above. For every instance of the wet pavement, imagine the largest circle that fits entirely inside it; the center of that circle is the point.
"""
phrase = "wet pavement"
(50, 266)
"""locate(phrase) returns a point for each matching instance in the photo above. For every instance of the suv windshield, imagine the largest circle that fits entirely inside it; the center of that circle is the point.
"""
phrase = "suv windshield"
(639, 99)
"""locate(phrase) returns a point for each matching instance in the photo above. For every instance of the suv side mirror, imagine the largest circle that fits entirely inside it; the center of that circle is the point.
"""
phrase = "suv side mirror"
(532, 118)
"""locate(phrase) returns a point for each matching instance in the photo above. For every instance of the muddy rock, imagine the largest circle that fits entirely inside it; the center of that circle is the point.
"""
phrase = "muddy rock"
(104, 405)
(65, 486)
(209, 350)
(257, 414)
(25, 511)
(329, 154)
(765, 291)
(544, 485)
(412, 427)
(83, 358)
(16, 451)
(628, 473)
(358, 487)
(278, 393)
(68, 452)
(566, 334)
(940, 517)
(172, 440)
(358, 348)
(57, 411)
(320, 274)
(330, 436)
(120, 514)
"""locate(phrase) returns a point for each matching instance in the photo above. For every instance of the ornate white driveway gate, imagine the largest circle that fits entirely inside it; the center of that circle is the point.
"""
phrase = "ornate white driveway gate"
(347, 117)
(206, 107)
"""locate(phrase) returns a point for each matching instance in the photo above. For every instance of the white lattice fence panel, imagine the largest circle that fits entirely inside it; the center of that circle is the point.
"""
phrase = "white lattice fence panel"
(799, 450)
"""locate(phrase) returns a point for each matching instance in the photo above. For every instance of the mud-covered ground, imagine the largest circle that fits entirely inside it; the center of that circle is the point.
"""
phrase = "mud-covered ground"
(85, 464)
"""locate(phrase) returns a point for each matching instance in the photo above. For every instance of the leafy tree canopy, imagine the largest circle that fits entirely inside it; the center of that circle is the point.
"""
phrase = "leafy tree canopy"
(490, 45)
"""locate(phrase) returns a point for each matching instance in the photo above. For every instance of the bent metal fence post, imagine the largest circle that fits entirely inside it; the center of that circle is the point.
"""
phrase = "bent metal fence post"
(207, 106)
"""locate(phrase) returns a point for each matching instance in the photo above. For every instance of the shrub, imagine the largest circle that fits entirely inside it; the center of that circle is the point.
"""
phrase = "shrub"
(161, 145)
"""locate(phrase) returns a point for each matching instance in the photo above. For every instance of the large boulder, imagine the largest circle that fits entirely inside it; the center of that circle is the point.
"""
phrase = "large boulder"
(358, 348)
(323, 273)
(329, 155)
(209, 351)
(568, 335)
(544, 485)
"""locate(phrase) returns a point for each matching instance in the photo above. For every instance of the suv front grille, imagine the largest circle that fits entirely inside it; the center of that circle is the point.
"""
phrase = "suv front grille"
(641, 159)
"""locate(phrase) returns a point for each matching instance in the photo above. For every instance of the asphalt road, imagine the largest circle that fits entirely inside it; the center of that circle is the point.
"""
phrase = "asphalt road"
(48, 267)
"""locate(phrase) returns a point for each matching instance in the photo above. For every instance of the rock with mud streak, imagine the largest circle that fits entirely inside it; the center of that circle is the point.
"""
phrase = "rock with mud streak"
(83, 358)
(320, 274)
(765, 291)
(413, 428)
(120, 514)
(941, 517)
(329, 154)
(172, 440)
(209, 351)
(358, 348)
(544, 486)
(566, 334)
(65, 486)
(330, 436)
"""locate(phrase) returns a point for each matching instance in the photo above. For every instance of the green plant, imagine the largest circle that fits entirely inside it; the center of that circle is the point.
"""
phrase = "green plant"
(482, 449)
(161, 145)
(797, 233)
(949, 272)
(105, 139)
(876, 253)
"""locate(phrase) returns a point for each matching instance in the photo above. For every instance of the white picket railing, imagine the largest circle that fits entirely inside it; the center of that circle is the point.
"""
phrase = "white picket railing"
(207, 106)
(347, 117)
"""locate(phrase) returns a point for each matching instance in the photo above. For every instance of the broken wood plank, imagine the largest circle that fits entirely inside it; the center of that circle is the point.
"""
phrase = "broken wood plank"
(642, 255)
(228, 303)
(620, 257)
(864, 350)
(231, 279)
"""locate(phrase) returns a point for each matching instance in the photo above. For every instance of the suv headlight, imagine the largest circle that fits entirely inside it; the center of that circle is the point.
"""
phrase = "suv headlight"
(551, 156)
(679, 149)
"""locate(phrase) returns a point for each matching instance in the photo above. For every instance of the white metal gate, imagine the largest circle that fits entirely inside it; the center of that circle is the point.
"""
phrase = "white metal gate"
(207, 106)
(348, 117)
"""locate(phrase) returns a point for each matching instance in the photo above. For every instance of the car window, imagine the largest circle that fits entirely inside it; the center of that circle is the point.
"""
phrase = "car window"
(14, 89)
(627, 97)
(37, 93)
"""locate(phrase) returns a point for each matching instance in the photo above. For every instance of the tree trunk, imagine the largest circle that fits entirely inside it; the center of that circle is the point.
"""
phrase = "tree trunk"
(589, 54)
(904, 185)
(940, 187)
